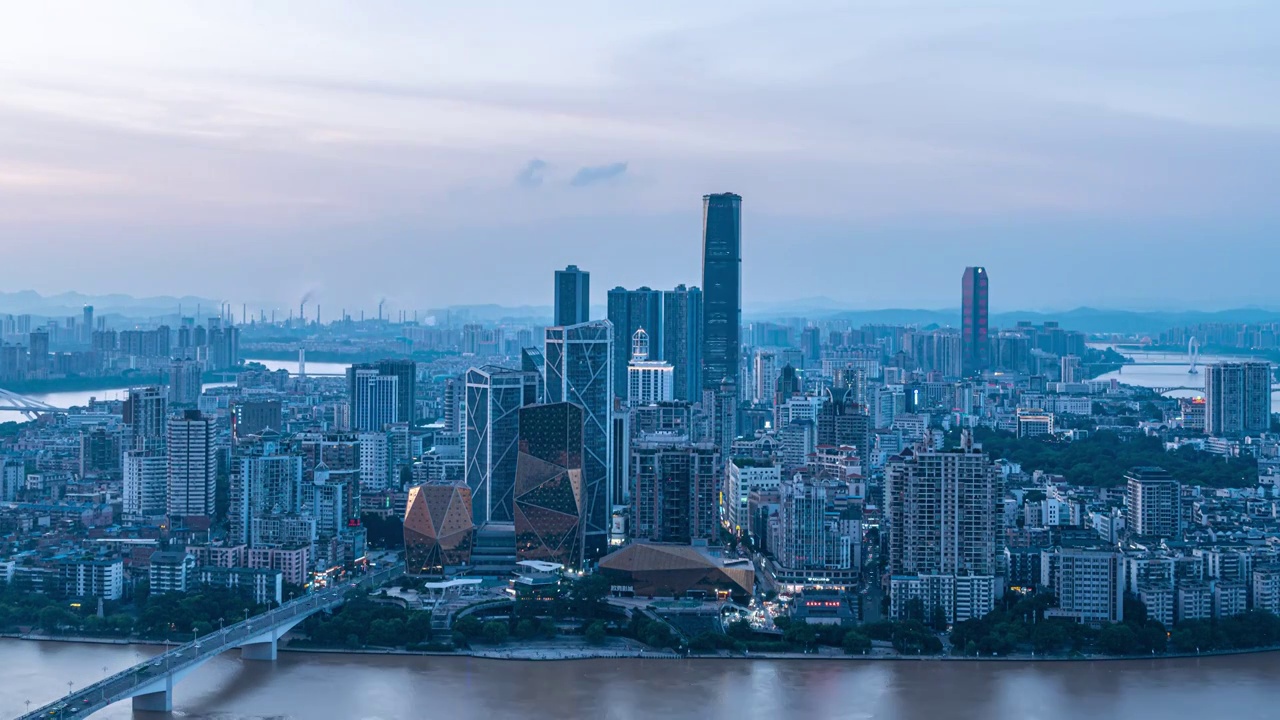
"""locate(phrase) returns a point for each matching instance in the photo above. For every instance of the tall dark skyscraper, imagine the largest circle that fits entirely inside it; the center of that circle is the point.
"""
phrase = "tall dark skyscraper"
(548, 487)
(573, 296)
(629, 311)
(682, 340)
(407, 373)
(973, 321)
(721, 287)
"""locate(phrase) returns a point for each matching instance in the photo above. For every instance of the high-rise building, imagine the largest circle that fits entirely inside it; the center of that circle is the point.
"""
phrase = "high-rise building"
(943, 509)
(721, 288)
(549, 490)
(1088, 583)
(193, 466)
(764, 375)
(682, 340)
(818, 535)
(676, 493)
(1237, 398)
(1070, 369)
(374, 398)
(492, 438)
(1153, 503)
(973, 320)
(264, 485)
(629, 311)
(38, 351)
(573, 296)
(406, 374)
(100, 449)
(580, 371)
(184, 379)
(145, 413)
(146, 483)
(648, 381)
(86, 325)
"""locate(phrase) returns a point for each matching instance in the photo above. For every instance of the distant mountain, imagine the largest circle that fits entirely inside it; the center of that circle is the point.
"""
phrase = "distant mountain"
(29, 302)
(1085, 319)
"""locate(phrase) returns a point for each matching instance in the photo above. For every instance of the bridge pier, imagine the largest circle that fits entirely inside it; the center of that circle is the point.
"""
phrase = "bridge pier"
(159, 701)
(259, 651)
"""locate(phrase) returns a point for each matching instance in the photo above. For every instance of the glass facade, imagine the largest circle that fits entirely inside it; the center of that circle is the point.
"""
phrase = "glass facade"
(573, 296)
(721, 287)
(492, 434)
(580, 371)
(438, 531)
(629, 311)
(549, 489)
(682, 340)
(973, 321)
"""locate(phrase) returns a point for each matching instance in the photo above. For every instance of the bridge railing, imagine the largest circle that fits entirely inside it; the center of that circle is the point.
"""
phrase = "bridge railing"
(209, 645)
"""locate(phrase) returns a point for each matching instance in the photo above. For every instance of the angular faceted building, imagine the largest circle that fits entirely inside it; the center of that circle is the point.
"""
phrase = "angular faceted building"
(580, 371)
(438, 531)
(549, 489)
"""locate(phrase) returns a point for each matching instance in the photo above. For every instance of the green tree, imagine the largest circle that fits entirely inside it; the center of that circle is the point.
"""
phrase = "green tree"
(547, 628)
(494, 632)
(595, 633)
(1118, 639)
(526, 629)
(469, 626)
(802, 634)
(855, 643)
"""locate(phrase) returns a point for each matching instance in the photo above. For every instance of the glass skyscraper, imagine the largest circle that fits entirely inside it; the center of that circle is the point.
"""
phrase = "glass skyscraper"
(491, 441)
(682, 340)
(721, 287)
(573, 296)
(629, 311)
(973, 320)
(580, 371)
(548, 504)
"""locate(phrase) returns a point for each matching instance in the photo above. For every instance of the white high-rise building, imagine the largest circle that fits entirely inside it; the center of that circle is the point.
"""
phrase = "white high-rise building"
(648, 381)
(1088, 582)
(943, 509)
(184, 379)
(374, 398)
(764, 374)
(192, 465)
(146, 483)
(375, 461)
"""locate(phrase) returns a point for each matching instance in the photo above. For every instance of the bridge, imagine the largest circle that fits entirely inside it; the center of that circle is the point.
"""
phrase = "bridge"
(14, 402)
(1166, 390)
(150, 683)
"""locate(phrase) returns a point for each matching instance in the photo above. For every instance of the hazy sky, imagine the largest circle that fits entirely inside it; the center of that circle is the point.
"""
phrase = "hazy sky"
(1122, 154)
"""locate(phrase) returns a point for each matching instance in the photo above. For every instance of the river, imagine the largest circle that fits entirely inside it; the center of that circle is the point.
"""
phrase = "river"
(75, 398)
(311, 686)
(1171, 373)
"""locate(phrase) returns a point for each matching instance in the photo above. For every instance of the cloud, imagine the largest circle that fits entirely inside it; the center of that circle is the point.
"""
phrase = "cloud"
(531, 175)
(593, 174)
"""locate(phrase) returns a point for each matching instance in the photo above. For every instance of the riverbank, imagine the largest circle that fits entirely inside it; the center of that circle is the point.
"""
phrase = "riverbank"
(551, 652)
(84, 383)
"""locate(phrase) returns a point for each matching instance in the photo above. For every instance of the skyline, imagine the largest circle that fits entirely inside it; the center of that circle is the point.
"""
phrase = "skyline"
(261, 148)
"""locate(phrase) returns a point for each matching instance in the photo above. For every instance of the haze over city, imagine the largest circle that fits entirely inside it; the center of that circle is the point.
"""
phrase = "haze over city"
(1092, 153)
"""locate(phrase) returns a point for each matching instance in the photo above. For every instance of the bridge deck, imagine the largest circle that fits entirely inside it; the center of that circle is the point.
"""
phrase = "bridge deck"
(157, 674)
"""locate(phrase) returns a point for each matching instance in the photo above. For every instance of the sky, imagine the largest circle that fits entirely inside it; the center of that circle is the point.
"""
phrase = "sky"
(1101, 153)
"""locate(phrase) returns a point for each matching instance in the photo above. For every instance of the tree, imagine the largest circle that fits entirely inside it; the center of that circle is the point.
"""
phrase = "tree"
(938, 618)
(802, 634)
(855, 643)
(526, 629)
(469, 626)
(547, 628)
(1118, 639)
(52, 618)
(595, 633)
(418, 627)
(495, 633)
